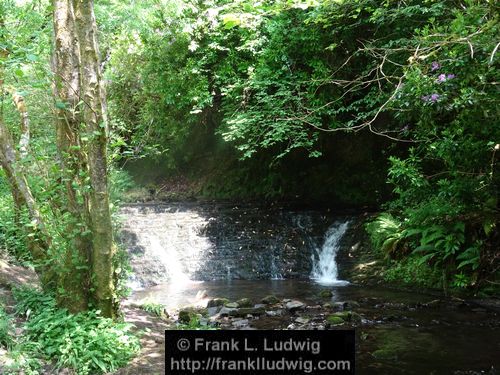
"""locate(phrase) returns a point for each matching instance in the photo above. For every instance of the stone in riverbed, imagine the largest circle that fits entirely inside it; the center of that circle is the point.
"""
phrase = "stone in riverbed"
(335, 320)
(184, 316)
(351, 305)
(240, 323)
(348, 316)
(325, 293)
(213, 310)
(295, 305)
(244, 311)
(302, 320)
(226, 311)
(244, 302)
(217, 302)
(270, 300)
(232, 305)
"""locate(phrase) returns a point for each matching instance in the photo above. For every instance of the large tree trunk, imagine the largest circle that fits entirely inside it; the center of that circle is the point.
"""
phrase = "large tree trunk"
(75, 278)
(80, 103)
(95, 121)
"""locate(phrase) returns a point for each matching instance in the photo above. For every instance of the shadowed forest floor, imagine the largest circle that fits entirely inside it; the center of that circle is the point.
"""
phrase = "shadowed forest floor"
(150, 360)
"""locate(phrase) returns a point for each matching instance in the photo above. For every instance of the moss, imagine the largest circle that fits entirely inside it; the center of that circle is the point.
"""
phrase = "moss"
(325, 293)
(335, 320)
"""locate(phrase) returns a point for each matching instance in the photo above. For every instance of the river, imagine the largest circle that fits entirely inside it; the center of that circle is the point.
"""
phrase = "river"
(188, 253)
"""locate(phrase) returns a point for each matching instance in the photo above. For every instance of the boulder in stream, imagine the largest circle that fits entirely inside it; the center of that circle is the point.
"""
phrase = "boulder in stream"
(295, 305)
(270, 300)
(244, 302)
(217, 302)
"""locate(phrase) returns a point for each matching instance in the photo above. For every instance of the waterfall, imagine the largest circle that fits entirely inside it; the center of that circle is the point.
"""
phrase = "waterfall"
(182, 242)
(324, 262)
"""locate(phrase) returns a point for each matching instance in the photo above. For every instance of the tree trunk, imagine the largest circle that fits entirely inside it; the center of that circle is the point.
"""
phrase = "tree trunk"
(39, 242)
(94, 118)
(80, 103)
(75, 278)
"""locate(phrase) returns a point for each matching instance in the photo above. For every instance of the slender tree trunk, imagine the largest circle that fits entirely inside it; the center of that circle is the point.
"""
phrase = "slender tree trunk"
(39, 242)
(95, 121)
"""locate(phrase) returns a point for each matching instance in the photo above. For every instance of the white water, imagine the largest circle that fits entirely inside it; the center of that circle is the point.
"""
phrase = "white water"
(324, 262)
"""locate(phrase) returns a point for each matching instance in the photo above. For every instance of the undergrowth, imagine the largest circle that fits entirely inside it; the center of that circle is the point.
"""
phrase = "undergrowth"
(86, 342)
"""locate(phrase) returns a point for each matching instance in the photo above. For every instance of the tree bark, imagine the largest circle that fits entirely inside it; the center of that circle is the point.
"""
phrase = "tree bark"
(95, 122)
(75, 278)
(81, 111)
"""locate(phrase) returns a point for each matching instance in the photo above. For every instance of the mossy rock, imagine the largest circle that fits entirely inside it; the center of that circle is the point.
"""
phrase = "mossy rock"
(270, 300)
(244, 302)
(335, 320)
(348, 316)
(185, 316)
(326, 293)
(344, 315)
(217, 302)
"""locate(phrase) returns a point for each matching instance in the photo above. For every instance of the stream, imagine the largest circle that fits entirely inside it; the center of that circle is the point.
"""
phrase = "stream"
(186, 254)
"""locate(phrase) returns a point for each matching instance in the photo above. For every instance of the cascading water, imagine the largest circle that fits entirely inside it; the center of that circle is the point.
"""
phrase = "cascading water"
(324, 261)
(181, 243)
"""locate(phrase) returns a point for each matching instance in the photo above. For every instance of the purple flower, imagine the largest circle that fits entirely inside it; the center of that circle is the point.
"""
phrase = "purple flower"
(441, 78)
(430, 98)
(435, 66)
(450, 76)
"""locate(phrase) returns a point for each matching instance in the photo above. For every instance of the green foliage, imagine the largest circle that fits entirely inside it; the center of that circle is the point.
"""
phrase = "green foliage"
(412, 271)
(12, 237)
(85, 342)
(5, 329)
(154, 308)
(386, 233)
(194, 324)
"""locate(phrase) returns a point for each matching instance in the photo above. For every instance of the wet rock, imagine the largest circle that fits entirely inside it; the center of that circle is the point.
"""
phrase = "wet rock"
(270, 300)
(217, 302)
(259, 305)
(327, 305)
(185, 316)
(294, 306)
(326, 293)
(203, 322)
(335, 320)
(240, 323)
(346, 316)
(351, 305)
(244, 311)
(278, 312)
(244, 302)
(225, 311)
(302, 320)
(211, 311)
(232, 305)
(338, 305)
(314, 307)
